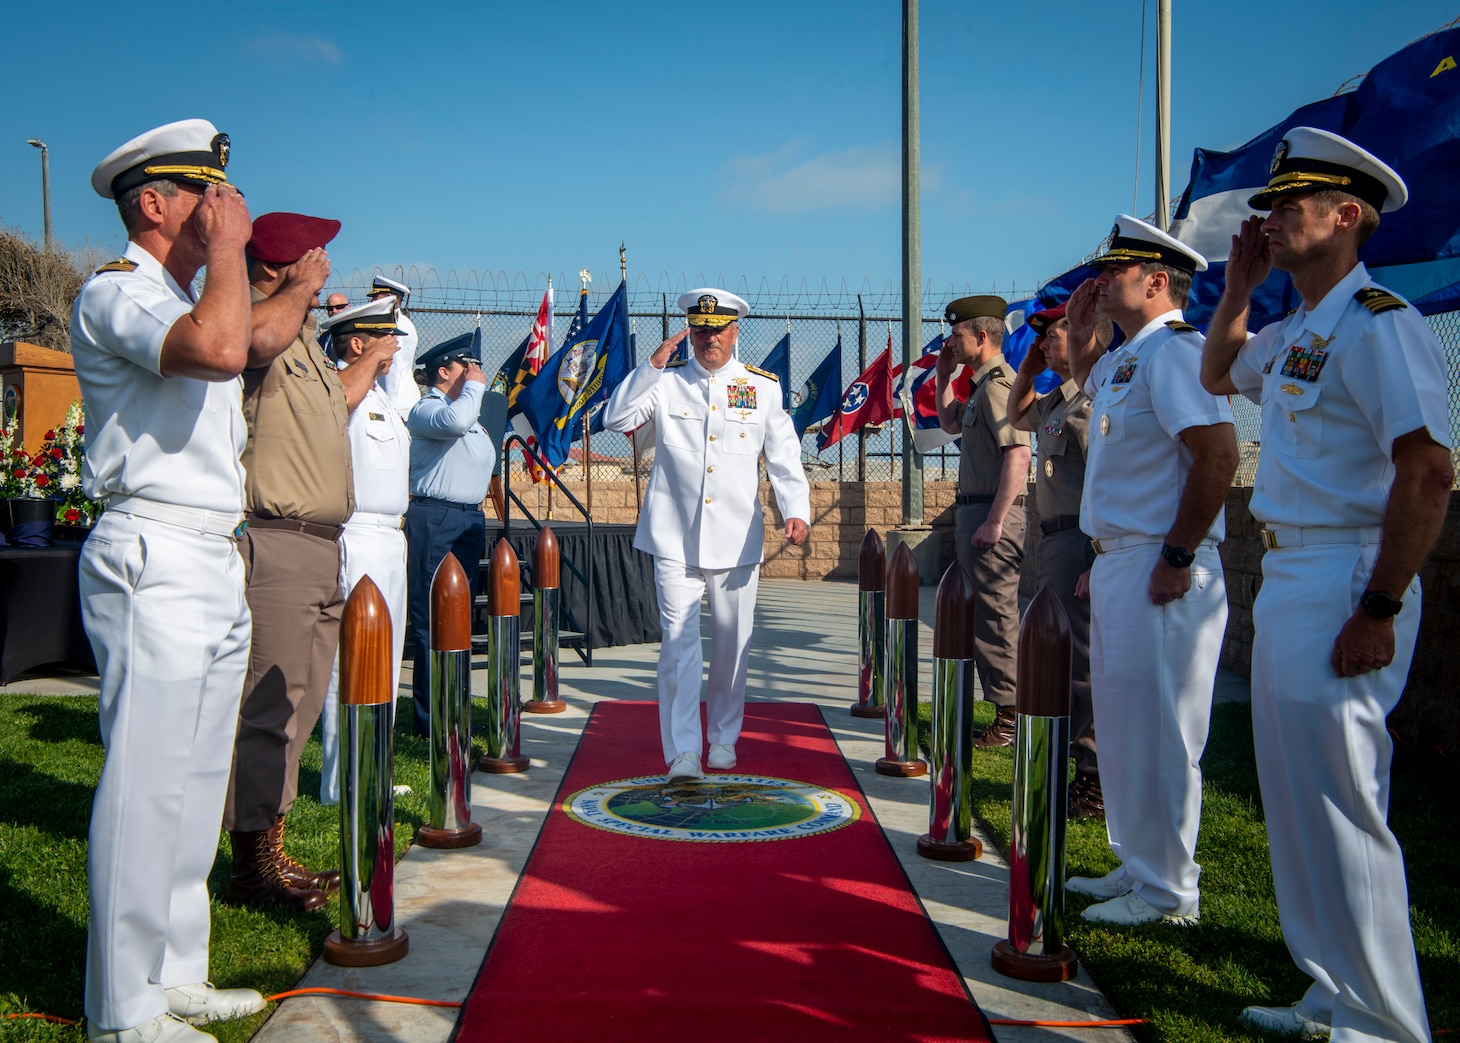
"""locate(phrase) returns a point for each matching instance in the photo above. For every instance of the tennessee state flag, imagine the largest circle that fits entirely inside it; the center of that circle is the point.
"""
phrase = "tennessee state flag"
(867, 401)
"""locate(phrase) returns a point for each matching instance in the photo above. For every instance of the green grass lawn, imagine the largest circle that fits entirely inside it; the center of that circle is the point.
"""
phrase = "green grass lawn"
(1190, 983)
(49, 766)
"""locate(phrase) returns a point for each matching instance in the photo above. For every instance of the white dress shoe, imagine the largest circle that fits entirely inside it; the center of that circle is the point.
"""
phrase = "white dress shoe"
(1111, 885)
(165, 1028)
(685, 768)
(1296, 1020)
(1130, 909)
(722, 756)
(201, 1003)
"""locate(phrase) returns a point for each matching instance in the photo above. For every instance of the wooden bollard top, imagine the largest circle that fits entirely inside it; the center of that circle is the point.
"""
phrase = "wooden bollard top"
(546, 560)
(366, 648)
(871, 562)
(451, 598)
(504, 582)
(953, 615)
(902, 585)
(1044, 658)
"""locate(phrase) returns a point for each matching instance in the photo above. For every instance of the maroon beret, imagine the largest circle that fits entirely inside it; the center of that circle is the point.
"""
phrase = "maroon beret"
(1041, 321)
(282, 238)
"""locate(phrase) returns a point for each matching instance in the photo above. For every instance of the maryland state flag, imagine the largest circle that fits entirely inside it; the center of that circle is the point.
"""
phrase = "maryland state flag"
(535, 354)
(581, 375)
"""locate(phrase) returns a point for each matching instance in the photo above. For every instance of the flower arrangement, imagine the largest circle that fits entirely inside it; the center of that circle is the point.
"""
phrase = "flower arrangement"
(53, 472)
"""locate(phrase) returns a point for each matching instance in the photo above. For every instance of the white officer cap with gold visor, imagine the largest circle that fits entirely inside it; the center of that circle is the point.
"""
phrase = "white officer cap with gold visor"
(380, 286)
(1313, 160)
(708, 306)
(1134, 241)
(192, 152)
(377, 317)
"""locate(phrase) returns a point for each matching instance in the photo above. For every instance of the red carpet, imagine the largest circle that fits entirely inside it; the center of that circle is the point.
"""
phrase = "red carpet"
(614, 936)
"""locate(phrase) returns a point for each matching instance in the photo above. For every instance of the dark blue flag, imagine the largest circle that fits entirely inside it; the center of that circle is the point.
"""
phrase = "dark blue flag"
(1018, 342)
(580, 375)
(778, 361)
(822, 392)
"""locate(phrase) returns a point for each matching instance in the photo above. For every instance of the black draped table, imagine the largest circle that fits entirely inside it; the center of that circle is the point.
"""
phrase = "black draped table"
(40, 610)
(625, 609)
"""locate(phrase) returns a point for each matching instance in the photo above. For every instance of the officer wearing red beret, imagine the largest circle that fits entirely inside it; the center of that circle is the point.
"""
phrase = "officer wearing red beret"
(299, 492)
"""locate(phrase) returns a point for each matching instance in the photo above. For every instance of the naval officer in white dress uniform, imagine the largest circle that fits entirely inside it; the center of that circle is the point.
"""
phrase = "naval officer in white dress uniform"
(373, 542)
(1162, 453)
(715, 418)
(1351, 489)
(397, 383)
(161, 578)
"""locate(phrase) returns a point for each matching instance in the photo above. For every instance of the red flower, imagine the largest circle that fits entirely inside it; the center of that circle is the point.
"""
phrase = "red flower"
(50, 435)
(56, 454)
(81, 429)
(72, 514)
(19, 472)
(42, 480)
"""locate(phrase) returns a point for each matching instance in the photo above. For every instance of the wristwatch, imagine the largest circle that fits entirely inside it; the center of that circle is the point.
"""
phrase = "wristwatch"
(1380, 605)
(1176, 557)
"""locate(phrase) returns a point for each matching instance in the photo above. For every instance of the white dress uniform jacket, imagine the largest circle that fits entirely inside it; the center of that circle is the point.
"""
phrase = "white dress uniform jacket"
(162, 597)
(373, 544)
(1338, 385)
(702, 506)
(400, 387)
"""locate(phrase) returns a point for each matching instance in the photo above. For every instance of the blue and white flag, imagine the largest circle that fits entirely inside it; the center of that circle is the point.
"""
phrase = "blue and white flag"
(1019, 337)
(778, 361)
(582, 374)
(821, 394)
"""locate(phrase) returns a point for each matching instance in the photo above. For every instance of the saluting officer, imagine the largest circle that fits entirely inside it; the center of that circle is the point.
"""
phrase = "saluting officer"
(715, 417)
(1352, 487)
(397, 383)
(1061, 422)
(300, 492)
(159, 373)
(451, 468)
(993, 472)
(1162, 454)
(363, 341)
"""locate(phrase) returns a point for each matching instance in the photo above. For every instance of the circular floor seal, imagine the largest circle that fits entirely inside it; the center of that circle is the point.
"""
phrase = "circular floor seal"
(720, 809)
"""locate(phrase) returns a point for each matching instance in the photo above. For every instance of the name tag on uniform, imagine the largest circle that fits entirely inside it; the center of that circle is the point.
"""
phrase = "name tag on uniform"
(1306, 362)
(1124, 372)
(377, 416)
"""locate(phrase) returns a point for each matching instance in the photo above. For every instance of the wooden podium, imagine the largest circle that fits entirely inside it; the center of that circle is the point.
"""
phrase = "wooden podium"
(37, 386)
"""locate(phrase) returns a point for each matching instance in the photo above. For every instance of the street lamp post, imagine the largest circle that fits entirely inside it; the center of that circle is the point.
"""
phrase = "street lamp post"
(45, 186)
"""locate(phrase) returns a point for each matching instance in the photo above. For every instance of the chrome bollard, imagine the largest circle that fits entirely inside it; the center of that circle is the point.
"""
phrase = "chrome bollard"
(449, 662)
(950, 750)
(902, 669)
(1035, 949)
(871, 627)
(504, 656)
(368, 935)
(546, 595)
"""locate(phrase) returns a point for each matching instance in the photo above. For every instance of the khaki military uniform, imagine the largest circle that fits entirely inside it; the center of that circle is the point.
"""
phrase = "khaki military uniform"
(987, 435)
(299, 492)
(1062, 420)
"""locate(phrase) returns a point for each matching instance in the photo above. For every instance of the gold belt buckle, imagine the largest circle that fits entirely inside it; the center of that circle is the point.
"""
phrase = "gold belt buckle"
(1098, 549)
(1269, 539)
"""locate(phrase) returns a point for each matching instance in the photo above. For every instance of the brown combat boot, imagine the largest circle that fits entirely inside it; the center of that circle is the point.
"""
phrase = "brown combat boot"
(296, 875)
(1000, 733)
(256, 880)
(1086, 800)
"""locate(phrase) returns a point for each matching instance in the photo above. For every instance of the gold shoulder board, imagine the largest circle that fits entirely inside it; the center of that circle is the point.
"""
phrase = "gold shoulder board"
(675, 364)
(1379, 301)
(764, 373)
(121, 264)
(1181, 327)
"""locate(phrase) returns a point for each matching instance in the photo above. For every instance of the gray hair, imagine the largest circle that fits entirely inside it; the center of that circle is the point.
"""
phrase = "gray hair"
(130, 203)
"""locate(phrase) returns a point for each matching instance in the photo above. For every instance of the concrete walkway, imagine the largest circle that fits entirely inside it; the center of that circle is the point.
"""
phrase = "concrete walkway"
(805, 649)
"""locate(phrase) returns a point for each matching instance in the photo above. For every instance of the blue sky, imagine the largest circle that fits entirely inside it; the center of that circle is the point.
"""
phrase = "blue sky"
(755, 140)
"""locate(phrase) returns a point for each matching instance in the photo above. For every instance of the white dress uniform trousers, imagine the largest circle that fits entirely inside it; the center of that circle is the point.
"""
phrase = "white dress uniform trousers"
(702, 521)
(161, 585)
(373, 544)
(1152, 667)
(1337, 385)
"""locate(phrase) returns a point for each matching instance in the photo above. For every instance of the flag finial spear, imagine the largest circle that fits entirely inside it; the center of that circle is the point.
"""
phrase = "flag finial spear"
(623, 262)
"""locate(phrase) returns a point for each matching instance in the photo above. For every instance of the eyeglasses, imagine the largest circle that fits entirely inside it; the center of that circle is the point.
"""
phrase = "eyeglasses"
(332, 308)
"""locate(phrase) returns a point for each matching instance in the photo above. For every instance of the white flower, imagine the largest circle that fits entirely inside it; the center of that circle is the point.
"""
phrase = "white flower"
(69, 481)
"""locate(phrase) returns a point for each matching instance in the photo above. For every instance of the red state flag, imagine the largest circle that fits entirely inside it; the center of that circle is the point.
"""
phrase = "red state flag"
(867, 401)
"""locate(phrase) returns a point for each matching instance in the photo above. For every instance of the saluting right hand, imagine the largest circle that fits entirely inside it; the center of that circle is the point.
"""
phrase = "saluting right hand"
(311, 271)
(222, 218)
(664, 352)
(1249, 263)
(474, 373)
(1081, 311)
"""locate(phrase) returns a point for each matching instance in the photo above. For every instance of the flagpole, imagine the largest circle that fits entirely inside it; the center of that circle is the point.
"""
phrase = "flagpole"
(587, 424)
(840, 442)
(861, 368)
(1163, 114)
(912, 275)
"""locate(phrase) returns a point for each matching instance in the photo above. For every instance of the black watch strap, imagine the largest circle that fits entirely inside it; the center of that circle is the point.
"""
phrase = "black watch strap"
(1379, 604)
(1176, 557)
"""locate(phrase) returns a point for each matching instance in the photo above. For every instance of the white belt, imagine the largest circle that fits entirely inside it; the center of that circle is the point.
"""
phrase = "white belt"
(1121, 542)
(213, 523)
(1273, 538)
(375, 521)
